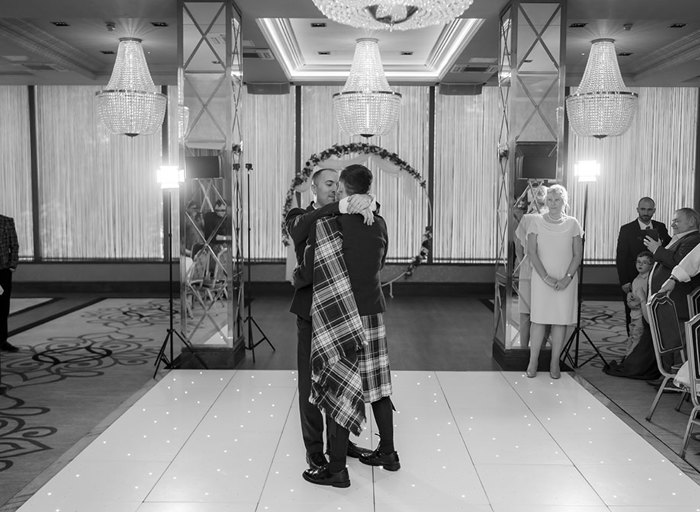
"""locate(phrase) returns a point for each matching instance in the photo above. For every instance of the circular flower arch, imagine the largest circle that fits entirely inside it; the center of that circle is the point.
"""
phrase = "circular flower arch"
(340, 150)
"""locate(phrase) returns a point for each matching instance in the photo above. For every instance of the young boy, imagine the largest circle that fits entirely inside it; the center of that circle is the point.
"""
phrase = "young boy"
(637, 299)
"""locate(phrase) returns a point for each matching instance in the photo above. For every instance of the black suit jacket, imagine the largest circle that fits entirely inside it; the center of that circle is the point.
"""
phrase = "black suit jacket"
(9, 246)
(630, 242)
(665, 260)
(364, 252)
(299, 223)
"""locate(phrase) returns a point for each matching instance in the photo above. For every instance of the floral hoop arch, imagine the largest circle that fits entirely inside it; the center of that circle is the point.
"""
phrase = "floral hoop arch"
(339, 150)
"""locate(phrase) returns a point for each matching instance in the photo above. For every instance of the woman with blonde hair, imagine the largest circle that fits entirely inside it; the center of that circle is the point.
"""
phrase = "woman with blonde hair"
(555, 250)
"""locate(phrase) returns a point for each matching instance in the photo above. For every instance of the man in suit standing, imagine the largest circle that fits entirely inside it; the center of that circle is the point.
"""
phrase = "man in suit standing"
(298, 223)
(9, 257)
(364, 246)
(630, 242)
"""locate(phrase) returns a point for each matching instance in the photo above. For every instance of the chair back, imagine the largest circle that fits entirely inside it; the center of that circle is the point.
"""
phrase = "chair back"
(665, 331)
(692, 336)
(694, 302)
(223, 263)
(199, 268)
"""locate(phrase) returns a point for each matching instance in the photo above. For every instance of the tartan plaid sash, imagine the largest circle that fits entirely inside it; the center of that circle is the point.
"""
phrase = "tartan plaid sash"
(337, 333)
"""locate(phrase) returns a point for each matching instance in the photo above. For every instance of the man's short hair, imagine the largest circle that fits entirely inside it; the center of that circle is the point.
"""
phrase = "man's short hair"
(316, 174)
(356, 178)
(691, 215)
(646, 200)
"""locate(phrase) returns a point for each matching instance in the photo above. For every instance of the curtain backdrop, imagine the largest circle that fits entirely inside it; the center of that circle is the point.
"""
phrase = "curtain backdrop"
(268, 144)
(15, 165)
(404, 204)
(98, 196)
(98, 192)
(466, 176)
(655, 158)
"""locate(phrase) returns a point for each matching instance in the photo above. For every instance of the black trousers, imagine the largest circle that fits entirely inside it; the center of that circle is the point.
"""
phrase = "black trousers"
(628, 319)
(6, 283)
(311, 417)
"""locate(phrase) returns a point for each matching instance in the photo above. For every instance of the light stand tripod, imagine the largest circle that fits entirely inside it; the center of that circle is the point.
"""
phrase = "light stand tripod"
(247, 294)
(172, 333)
(575, 335)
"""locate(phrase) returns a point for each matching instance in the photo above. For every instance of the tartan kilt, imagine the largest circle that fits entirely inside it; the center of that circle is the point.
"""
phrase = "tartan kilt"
(373, 359)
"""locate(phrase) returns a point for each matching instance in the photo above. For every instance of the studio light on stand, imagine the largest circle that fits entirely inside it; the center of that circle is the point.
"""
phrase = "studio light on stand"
(587, 171)
(248, 290)
(170, 177)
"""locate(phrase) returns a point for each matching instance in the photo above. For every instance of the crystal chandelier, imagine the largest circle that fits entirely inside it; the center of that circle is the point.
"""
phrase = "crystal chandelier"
(602, 105)
(392, 14)
(131, 104)
(366, 106)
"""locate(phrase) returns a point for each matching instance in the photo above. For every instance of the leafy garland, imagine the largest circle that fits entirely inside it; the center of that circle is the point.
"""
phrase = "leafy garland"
(338, 150)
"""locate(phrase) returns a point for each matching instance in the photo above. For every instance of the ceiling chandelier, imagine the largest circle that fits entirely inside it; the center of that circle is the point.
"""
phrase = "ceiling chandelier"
(602, 105)
(392, 14)
(366, 106)
(131, 103)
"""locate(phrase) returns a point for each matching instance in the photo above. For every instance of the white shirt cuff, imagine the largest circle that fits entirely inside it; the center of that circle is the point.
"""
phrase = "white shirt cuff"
(680, 274)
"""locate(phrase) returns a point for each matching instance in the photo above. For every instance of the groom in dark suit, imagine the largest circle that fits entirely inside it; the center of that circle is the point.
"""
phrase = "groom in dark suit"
(298, 223)
(630, 242)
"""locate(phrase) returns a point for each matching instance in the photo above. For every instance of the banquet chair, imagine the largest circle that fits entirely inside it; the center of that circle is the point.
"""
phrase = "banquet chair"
(195, 280)
(217, 287)
(668, 341)
(692, 336)
(694, 302)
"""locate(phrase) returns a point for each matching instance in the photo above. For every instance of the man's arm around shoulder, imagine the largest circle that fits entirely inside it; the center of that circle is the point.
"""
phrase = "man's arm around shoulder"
(299, 222)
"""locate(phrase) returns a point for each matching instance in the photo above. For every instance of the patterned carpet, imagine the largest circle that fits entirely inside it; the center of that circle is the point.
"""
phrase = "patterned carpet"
(604, 323)
(56, 385)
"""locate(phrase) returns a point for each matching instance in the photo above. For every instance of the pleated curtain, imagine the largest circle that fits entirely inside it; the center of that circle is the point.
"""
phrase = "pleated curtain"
(98, 194)
(15, 165)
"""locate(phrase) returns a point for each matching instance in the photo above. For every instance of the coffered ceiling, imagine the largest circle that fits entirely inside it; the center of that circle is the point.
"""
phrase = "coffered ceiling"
(69, 42)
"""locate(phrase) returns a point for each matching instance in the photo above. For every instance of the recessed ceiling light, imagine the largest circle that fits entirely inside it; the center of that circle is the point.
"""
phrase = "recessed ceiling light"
(624, 54)
(578, 25)
(318, 24)
(677, 25)
(324, 52)
(107, 52)
(159, 24)
(60, 23)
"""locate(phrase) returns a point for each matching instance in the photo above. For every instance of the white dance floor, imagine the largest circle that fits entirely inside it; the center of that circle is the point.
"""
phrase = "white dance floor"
(223, 441)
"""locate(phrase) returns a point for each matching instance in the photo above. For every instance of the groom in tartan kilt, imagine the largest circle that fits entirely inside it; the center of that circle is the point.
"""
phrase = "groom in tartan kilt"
(350, 364)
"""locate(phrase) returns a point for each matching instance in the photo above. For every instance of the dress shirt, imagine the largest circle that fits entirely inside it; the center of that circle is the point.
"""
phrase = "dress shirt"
(688, 267)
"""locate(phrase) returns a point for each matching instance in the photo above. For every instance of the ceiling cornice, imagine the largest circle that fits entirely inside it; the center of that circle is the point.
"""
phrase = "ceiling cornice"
(678, 52)
(32, 38)
(279, 33)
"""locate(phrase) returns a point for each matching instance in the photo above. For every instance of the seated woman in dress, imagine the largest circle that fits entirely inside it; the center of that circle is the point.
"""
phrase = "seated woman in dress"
(555, 250)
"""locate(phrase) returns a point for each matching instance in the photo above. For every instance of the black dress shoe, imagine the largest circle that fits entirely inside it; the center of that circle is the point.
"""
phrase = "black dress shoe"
(389, 461)
(324, 477)
(6, 347)
(316, 460)
(356, 452)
